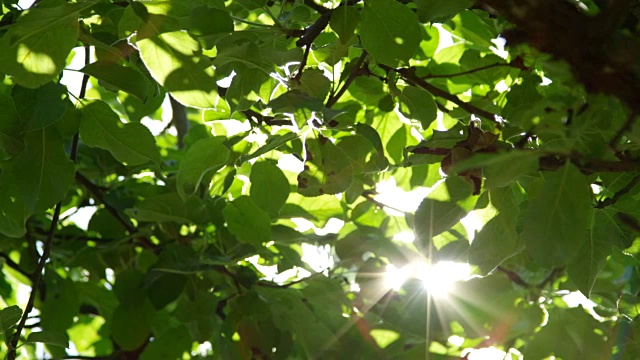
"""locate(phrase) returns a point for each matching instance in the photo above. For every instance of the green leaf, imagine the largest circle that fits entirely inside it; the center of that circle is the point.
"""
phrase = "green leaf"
(556, 221)
(9, 317)
(161, 208)
(344, 21)
(440, 10)
(10, 126)
(327, 169)
(314, 83)
(203, 159)
(170, 345)
(629, 306)
(434, 217)
(389, 31)
(41, 107)
(35, 49)
(269, 187)
(498, 239)
(247, 221)
(244, 89)
(13, 209)
(475, 30)
(131, 143)
(175, 60)
(502, 168)
(592, 256)
(272, 143)
(43, 170)
(119, 77)
(418, 104)
(131, 324)
(209, 21)
(50, 338)
(252, 4)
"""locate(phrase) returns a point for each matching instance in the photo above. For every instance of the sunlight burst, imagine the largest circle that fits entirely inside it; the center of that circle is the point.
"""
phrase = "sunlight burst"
(437, 278)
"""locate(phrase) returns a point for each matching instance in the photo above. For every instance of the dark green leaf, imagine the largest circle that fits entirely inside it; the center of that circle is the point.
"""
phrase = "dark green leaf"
(119, 77)
(50, 338)
(247, 221)
(131, 143)
(41, 107)
(42, 160)
(9, 317)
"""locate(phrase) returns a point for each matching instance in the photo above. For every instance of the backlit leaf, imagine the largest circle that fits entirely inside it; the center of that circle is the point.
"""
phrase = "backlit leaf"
(557, 219)
(389, 31)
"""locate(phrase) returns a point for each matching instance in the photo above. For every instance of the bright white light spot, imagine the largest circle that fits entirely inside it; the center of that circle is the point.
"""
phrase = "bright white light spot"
(597, 189)
(472, 224)
(502, 86)
(156, 127)
(394, 278)
(82, 217)
(438, 278)
(291, 163)
(226, 82)
(406, 237)
(317, 257)
(25, 4)
(489, 353)
(575, 299)
(545, 81)
(499, 50)
(391, 195)
(455, 340)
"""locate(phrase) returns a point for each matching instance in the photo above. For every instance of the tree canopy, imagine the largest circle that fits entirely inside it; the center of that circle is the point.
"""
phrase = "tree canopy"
(260, 179)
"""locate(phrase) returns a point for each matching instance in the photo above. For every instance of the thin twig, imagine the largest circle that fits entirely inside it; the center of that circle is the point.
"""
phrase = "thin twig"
(513, 276)
(46, 250)
(466, 72)
(620, 193)
(613, 144)
(368, 194)
(355, 72)
(99, 195)
(409, 75)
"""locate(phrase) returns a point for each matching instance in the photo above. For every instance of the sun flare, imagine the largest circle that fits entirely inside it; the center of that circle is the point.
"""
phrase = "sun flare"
(438, 279)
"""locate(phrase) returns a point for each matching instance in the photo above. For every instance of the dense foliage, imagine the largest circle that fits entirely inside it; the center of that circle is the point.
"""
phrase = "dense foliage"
(272, 218)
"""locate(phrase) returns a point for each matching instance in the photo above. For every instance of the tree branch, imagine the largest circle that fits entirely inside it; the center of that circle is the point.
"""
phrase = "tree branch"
(601, 56)
(46, 250)
(515, 63)
(99, 195)
(409, 75)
